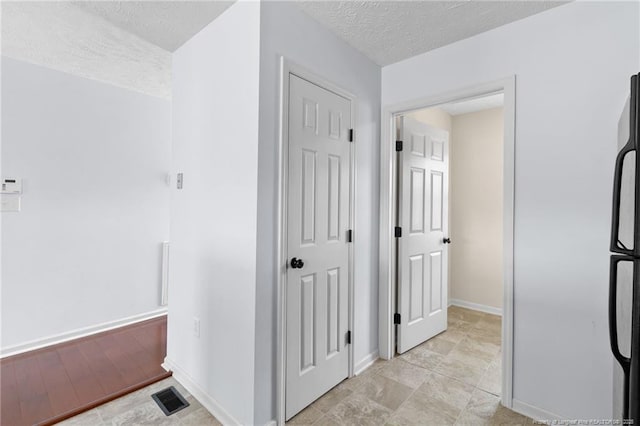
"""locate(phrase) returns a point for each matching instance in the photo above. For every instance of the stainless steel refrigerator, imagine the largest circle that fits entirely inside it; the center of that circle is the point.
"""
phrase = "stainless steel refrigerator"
(624, 285)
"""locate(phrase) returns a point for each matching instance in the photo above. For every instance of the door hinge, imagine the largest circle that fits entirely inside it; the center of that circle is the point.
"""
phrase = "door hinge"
(350, 236)
(351, 135)
(398, 145)
(349, 337)
(396, 318)
(397, 232)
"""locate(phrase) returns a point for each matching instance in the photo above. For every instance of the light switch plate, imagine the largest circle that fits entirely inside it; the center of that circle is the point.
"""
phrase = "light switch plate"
(9, 203)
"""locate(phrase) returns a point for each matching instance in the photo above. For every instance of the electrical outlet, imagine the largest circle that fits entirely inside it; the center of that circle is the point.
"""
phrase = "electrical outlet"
(196, 327)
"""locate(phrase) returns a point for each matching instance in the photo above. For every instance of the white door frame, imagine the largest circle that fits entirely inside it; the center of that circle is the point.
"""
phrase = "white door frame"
(386, 331)
(287, 67)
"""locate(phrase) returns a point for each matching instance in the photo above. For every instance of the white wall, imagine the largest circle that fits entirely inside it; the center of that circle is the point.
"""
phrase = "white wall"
(288, 31)
(213, 219)
(573, 65)
(475, 208)
(86, 247)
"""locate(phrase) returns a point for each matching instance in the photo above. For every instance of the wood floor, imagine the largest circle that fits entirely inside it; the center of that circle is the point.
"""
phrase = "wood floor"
(50, 384)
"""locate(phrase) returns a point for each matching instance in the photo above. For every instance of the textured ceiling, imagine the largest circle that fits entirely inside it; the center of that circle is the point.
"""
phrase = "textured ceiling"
(390, 31)
(167, 24)
(128, 43)
(61, 36)
(474, 104)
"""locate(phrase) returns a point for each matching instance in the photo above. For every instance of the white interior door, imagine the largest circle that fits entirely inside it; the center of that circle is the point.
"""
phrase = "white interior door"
(317, 292)
(423, 218)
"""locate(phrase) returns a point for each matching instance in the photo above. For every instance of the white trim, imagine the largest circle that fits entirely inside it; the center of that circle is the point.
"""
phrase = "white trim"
(198, 393)
(534, 412)
(286, 68)
(164, 295)
(78, 333)
(475, 306)
(386, 331)
(509, 187)
(271, 423)
(366, 362)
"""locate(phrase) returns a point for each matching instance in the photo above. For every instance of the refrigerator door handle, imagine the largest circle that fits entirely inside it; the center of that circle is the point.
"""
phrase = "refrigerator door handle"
(616, 246)
(624, 362)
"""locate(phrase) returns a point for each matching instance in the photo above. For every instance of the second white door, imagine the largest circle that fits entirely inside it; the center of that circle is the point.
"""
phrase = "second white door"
(317, 285)
(423, 234)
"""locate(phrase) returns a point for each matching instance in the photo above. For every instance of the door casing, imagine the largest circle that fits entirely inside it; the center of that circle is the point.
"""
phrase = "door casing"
(388, 171)
(287, 67)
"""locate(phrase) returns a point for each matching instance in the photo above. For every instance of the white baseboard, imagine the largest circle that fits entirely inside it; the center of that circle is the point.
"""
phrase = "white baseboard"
(272, 423)
(365, 362)
(475, 306)
(78, 333)
(198, 393)
(534, 412)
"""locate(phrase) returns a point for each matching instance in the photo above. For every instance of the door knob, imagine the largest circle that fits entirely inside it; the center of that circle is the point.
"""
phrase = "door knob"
(296, 263)
(446, 240)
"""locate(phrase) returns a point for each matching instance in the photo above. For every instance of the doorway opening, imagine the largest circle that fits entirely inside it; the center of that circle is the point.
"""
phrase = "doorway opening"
(447, 235)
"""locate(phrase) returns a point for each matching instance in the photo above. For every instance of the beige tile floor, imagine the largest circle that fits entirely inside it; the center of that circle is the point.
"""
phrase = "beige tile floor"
(138, 408)
(452, 379)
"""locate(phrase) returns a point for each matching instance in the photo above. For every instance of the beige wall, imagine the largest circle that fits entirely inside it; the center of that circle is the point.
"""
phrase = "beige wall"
(475, 202)
(475, 209)
(434, 117)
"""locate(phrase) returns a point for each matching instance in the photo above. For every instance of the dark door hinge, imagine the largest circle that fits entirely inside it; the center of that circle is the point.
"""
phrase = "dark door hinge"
(350, 236)
(396, 318)
(397, 232)
(349, 337)
(398, 145)
(350, 135)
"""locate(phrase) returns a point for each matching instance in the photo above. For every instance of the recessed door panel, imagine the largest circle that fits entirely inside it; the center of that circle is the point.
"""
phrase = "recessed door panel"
(308, 196)
(436, 200)
(418, 145)
(333, 310)
(307, 323)
(335, 124)
(437, 149)
(417, 200)
(317, 214)
(435, 281)
(310, 115)
(333, 202)
(416, 278)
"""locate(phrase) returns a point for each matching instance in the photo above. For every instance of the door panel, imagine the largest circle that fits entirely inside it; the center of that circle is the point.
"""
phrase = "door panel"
(317, 295)
(422, 254)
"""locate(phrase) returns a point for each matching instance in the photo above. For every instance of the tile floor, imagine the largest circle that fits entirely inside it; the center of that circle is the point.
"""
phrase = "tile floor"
(138, 408)
(452, 379)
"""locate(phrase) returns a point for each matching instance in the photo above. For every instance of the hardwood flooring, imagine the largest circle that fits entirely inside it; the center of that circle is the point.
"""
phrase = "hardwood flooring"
(51, 384)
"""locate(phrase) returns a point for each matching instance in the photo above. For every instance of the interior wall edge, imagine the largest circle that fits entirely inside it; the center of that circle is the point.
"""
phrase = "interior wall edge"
(365, 362)
(213, 406)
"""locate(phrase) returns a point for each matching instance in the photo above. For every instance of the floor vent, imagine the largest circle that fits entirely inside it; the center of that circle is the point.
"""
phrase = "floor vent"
(169, 400)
